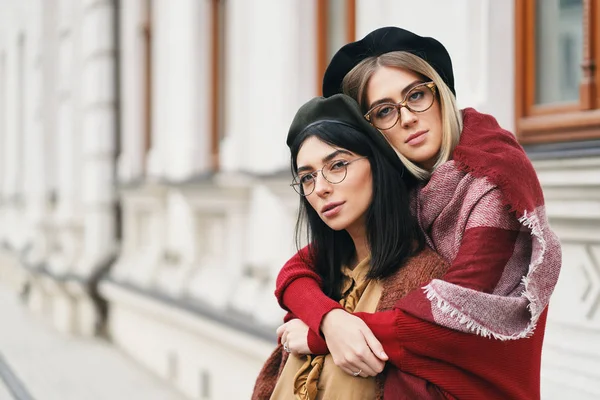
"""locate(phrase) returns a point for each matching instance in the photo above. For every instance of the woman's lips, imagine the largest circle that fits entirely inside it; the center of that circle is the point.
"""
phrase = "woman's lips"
(332, 210)
(416, 138)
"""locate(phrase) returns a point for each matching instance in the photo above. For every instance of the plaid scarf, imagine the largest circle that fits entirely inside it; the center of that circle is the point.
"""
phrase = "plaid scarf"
(489, 167)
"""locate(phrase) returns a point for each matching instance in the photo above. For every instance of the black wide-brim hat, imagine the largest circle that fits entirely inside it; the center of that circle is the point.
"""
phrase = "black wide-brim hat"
(344, 110)
(381, 41)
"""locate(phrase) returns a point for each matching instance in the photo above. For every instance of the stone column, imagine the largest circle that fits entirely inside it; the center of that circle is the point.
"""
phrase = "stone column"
(98, 145)
(62, 230)
(34, 166)
(180, 113)
(133, 88)
(12, 118)
(14, 129)
(99, 133)
(3, 136)
(253, 129)
(35, 182)
(67, 216)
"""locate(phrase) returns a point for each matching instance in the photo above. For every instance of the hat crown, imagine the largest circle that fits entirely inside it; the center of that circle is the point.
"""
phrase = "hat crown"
(381, 41)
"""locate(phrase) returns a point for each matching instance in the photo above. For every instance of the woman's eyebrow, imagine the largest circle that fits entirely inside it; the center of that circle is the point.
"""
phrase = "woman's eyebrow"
(402, 93)
(335, 154)
(325, 159)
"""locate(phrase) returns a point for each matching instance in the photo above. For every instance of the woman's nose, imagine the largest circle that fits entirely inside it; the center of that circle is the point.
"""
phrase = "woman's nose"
(322, 186)
(407, 117)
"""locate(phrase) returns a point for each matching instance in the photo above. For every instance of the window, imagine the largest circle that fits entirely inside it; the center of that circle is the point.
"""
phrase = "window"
(217, 74)
(336, 26)
(557, 75)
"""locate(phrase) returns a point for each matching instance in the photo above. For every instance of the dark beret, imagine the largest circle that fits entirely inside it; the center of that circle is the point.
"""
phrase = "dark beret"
(342, 109)
(385, 40)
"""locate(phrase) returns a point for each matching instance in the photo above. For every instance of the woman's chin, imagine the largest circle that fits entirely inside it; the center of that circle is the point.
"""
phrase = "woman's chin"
(336, 225)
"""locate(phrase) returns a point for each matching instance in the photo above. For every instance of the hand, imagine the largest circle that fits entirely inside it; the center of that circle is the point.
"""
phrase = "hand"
(352, 344)
(294, 335)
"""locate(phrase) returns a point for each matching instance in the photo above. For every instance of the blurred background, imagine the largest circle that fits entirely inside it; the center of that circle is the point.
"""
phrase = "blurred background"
(145, 206)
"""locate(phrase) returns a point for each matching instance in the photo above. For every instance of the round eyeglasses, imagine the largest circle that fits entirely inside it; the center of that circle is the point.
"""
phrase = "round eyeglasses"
(419, 99)
(334, 172)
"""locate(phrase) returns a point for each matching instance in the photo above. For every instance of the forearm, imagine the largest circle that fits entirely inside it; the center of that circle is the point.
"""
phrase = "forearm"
(299, 266)
(403, 336)
(447, 357)
(305, 299)
(298, 289)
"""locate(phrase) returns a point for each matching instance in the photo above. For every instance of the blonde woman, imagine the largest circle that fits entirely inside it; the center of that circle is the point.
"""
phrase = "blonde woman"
(480, 206)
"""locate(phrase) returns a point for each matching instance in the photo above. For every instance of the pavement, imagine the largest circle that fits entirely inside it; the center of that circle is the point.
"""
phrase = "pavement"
(39, 363)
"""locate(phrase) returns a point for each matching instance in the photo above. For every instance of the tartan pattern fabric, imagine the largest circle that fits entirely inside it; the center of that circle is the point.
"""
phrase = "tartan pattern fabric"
(489, 185)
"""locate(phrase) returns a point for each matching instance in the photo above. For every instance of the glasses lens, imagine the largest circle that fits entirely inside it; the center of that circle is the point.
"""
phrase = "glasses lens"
(420, 98)
(303, 186)
(335, 172)
(384, 116)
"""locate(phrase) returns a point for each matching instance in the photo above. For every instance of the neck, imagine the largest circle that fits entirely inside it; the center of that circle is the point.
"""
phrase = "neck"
(359, 237)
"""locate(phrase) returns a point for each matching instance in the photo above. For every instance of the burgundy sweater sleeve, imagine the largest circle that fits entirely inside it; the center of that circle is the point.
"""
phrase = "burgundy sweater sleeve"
(416, 345)
(465, 365)
(294, 268)
(299, 291)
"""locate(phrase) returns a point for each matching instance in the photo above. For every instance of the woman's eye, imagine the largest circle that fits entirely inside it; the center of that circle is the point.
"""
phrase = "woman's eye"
(417, 95)
(384, 111)
(305, 179)
(337, 165)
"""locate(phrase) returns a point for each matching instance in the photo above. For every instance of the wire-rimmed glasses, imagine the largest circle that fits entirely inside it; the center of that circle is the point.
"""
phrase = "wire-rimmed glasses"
(334, 172)
(419, 99)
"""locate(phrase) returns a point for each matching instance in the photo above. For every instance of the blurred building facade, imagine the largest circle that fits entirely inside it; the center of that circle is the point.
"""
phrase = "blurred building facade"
(144, 177)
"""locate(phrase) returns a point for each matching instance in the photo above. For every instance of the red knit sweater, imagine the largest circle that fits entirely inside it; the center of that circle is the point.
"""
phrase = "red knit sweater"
(430, 359)
(465, 366)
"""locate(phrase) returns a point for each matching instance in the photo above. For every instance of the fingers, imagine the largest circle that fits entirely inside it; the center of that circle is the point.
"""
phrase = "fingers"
(365, 370)
(355, 367)
(371, 364)
(284, 338)
(349, 371)
(280, 330)
(362, 368)
(375, 345)
(362, 360)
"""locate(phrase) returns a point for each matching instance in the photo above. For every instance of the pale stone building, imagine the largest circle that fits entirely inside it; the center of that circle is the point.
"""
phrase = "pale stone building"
(144, 174)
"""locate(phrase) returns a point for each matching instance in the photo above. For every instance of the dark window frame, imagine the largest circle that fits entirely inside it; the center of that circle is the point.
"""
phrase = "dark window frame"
(217, 86)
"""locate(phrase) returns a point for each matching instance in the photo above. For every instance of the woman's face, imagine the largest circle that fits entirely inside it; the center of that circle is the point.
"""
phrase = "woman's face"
(417, 136)
(342, 205)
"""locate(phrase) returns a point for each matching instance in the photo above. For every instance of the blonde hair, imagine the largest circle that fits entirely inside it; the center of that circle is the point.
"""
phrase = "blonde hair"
(355, 85)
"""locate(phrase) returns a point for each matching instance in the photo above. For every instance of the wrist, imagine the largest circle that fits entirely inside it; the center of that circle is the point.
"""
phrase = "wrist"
(327, 321)
(316, 343)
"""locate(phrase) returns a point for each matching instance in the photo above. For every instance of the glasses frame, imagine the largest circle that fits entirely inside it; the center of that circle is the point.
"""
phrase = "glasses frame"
(298, 185)
(430, 85)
